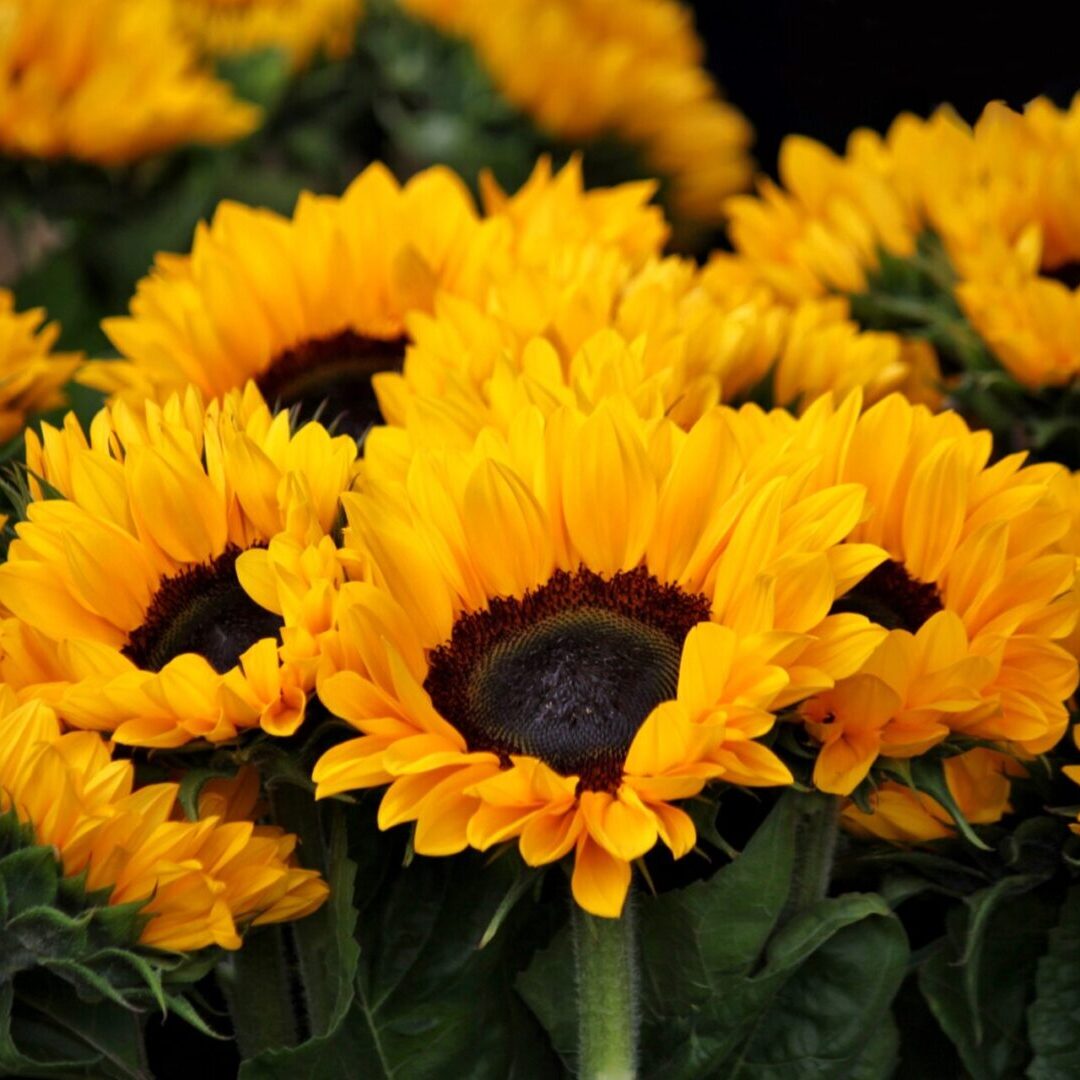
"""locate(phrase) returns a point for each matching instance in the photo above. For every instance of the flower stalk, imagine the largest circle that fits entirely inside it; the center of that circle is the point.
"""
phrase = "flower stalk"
(605, 953)
(816, 831)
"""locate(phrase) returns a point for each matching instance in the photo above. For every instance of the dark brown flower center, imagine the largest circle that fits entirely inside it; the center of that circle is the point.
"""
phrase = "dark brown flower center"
(331, 378)
(202, 610)
(567, 673)
(892, 598)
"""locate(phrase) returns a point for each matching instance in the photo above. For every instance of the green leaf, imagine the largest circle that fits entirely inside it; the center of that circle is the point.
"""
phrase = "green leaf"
(824, 1019)
(547, 987)
(88, 984)
(127, 968)
(29, 1049)
(118, 924)
(107, 1039)
(527, 876)
(326, 945)
(983, 1015)
(982, 906)
(879, 1059)
(429, 1003)
(183, 1008)
(1052, 1016)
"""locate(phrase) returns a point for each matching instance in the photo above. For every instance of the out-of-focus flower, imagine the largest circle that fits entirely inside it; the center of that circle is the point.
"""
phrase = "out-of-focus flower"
(586, 70)
(106, 82)
(300, 28)
(31, 374)
(1000, 196)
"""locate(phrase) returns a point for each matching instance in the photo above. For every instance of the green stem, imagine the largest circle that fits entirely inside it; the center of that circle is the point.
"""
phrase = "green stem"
(257, 987)
(296, 811)
(816, 830)
(605, 952)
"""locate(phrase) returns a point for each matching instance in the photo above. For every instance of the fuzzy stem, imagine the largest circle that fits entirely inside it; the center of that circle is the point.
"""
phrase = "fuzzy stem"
(816, 831)
(296, 811)
(257, 986)
(605, 952)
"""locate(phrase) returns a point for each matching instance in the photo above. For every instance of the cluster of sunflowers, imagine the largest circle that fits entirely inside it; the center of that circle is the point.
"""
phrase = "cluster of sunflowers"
(562, 543)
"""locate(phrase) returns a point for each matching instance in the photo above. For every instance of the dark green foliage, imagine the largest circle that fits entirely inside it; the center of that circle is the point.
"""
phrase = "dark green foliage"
(979, 984)
(403, 984)
(1054, 1014)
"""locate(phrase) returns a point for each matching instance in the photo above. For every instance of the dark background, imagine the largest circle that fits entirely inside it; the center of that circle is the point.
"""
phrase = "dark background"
(824, 67)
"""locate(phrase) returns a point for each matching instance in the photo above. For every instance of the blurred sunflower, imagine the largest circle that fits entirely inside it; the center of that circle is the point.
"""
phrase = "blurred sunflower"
(999, 196)
(824, 226)
(298, 27)
(313, 307)
(199, 883)
(153, 586)
(669, 587)
(588, 70)
(107, 82)
(976, 591)
(979, 782)
(31, 375)
(1017, 246)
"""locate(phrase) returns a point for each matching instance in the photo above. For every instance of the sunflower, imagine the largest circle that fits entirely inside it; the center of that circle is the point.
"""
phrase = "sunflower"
(312, 307)
(308, 306)
(976, 593)
(823, 227)
(106, 82)
(553, 212)
(143, 587)
(1017, 256)
(31, 375)
(585, 70)
(979, 781)
(300, 28)
(674, 340)
(655, 336)
(1000, 196)
(199, 882)
(556, 633)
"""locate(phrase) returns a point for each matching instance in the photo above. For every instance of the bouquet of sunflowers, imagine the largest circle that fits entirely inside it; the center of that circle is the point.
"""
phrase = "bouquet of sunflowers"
(489, 588)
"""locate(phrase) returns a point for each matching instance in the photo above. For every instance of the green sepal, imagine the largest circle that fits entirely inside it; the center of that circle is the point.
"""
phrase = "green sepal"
(192, 783)
(927, 774)
(30, 878)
